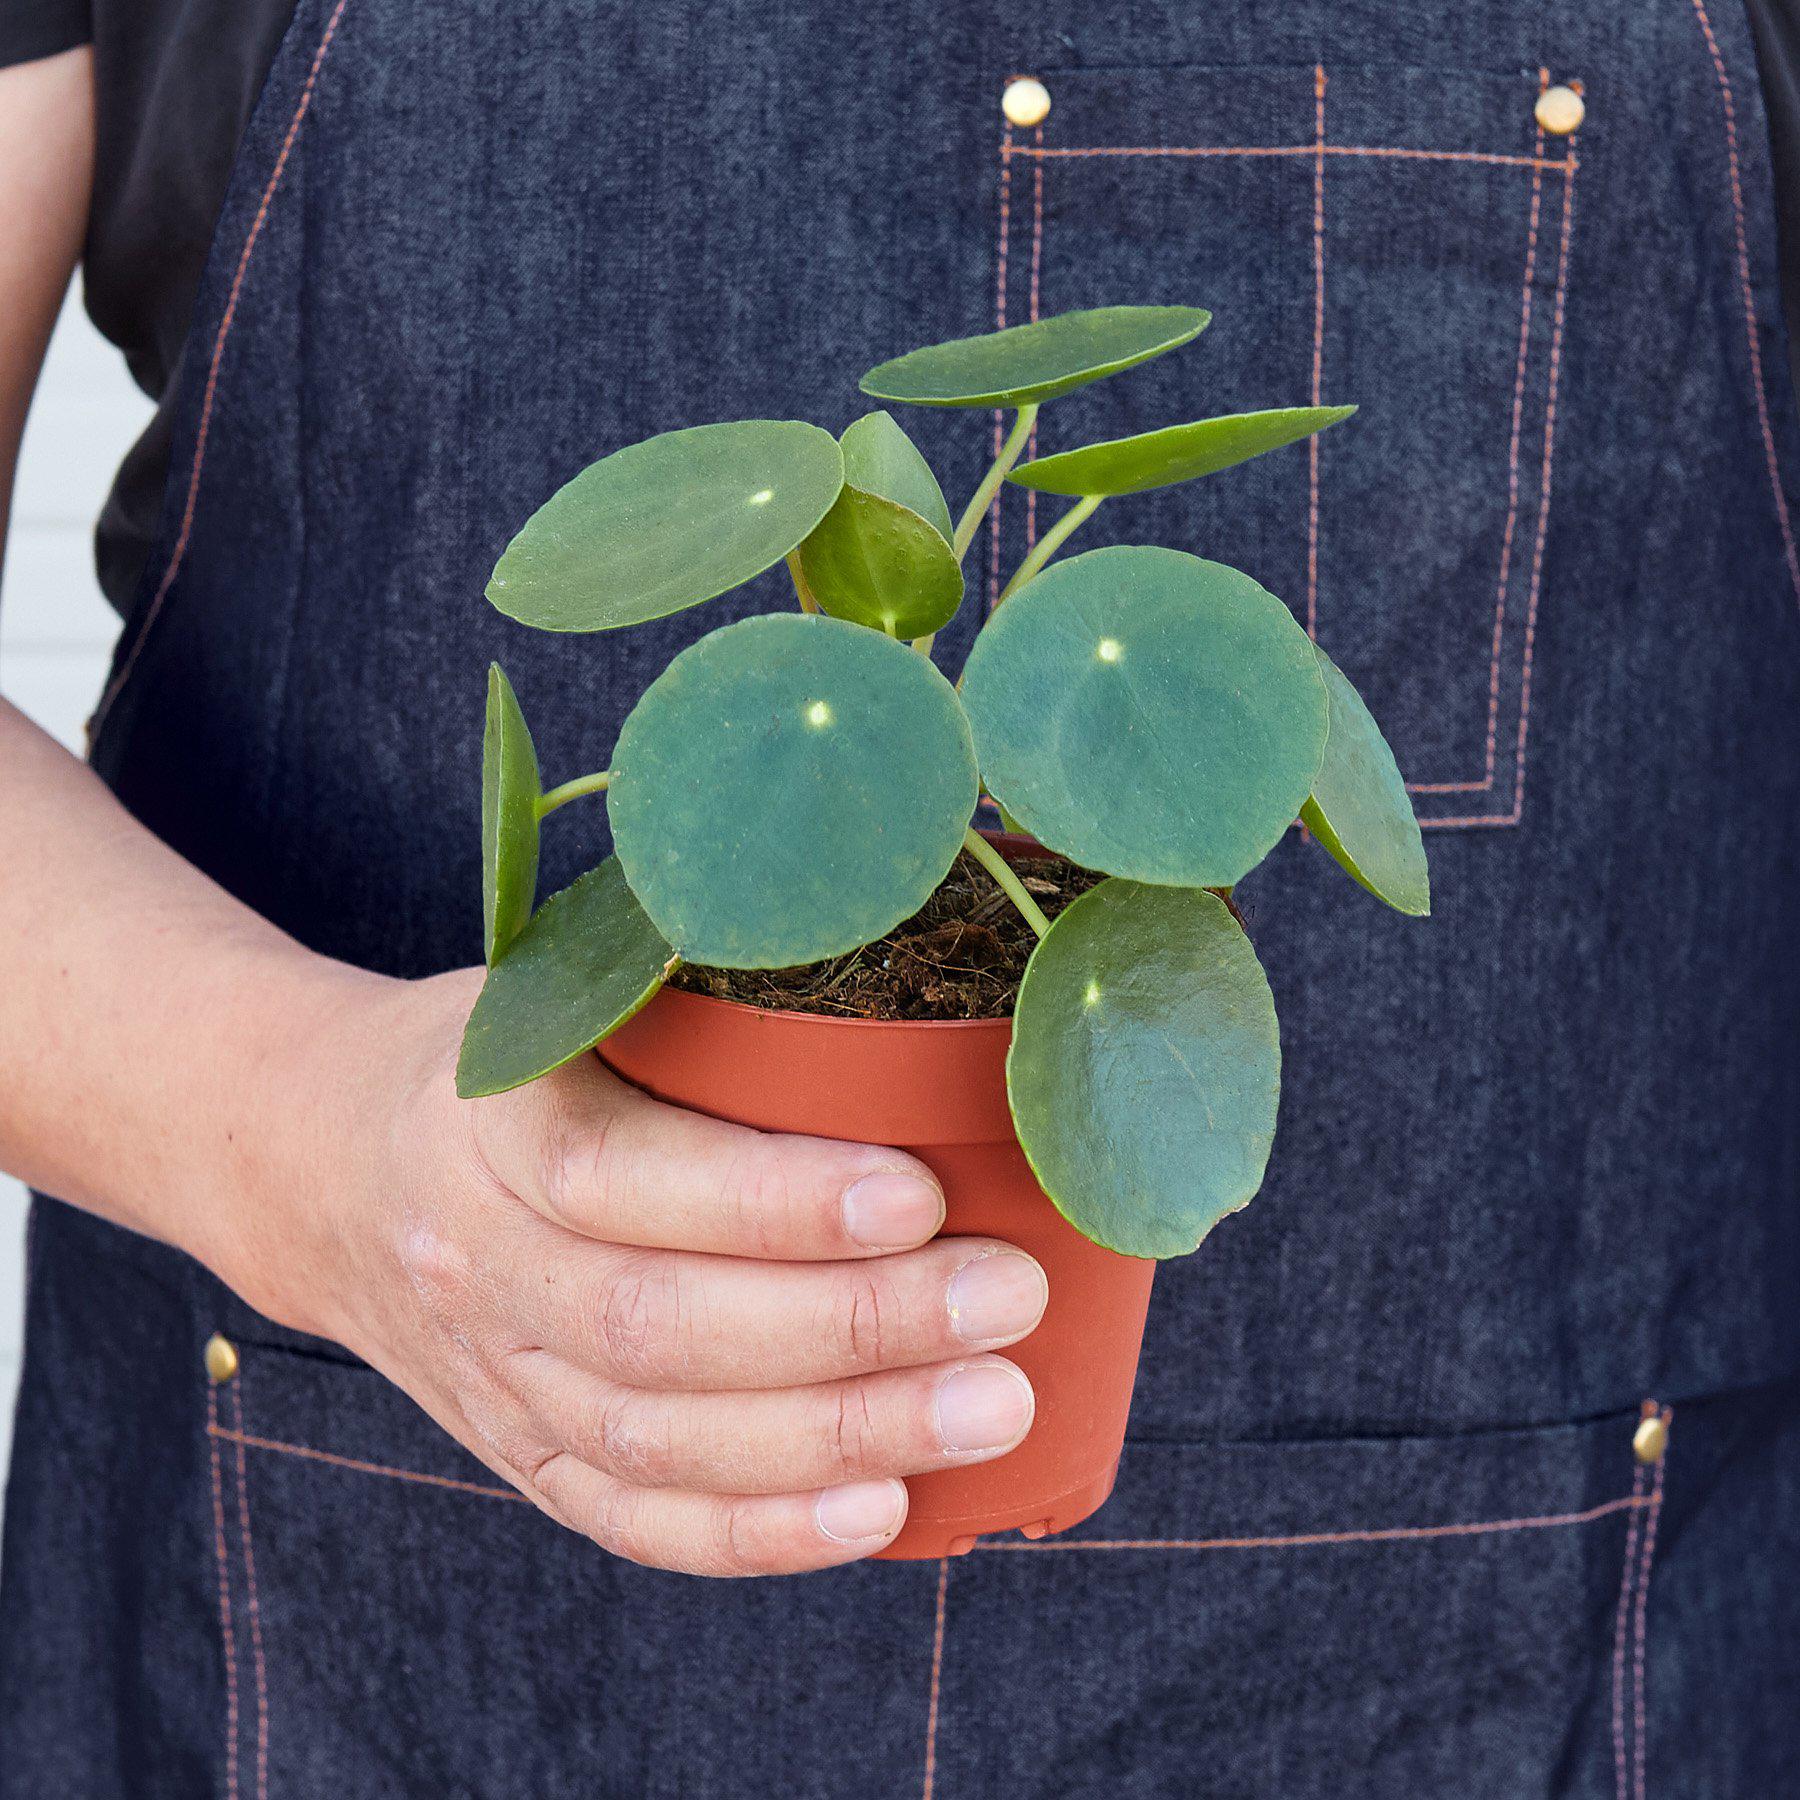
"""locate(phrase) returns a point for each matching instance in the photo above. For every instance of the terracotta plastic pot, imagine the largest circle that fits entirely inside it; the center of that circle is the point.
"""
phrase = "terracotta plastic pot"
(937, 1090)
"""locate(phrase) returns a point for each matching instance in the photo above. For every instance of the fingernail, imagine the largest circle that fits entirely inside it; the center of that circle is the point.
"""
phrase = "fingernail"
(860, 1509)
(890, 1211)
(1000, 1295)
(987, 1407)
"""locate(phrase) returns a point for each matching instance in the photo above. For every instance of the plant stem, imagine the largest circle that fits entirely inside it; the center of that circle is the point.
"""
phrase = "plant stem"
(973, 513)
(1052, 541)
(807, 602)
(572, 790)
(1014, 889)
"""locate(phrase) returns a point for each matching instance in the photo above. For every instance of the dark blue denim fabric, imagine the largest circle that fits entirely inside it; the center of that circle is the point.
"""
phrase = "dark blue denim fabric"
(1538, 1156)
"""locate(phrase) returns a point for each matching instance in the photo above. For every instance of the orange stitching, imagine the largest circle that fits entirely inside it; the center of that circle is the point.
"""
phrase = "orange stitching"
(1559, 310)
(225, 1632)
(937, 1676)
(255, 1608)
(1752, 329)
(1009, 150)
(178, 555)
(365, 1468)
(1304, 1540)
(1037, 257)
(1543, 519)
(1620, 1622)
(1512, 493)
(1512, 457)
(1318, 362)
(993, 516)
(1639, 1710)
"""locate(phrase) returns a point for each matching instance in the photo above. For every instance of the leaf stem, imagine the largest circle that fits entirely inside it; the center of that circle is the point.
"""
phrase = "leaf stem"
(572, 790)
(1052, 541)
(807, 602)
(1014, 889)
(970, 522)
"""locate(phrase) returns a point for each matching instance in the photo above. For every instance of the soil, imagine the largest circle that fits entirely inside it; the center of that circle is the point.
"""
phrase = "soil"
(959, 957)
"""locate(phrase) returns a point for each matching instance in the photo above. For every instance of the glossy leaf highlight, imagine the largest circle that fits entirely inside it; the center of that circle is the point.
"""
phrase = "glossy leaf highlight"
(791, 787)
(1174, 454)
(1149, 714)
(1035, 362)
(1359, 808)
(586, 962)
(668, 523)
(1145, 1068)
(510, 788)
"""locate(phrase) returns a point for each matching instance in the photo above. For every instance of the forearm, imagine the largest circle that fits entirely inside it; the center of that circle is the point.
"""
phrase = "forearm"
(146, 1017)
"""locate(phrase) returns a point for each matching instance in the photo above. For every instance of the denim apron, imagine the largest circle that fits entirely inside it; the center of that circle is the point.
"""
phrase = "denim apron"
(1380, 1529)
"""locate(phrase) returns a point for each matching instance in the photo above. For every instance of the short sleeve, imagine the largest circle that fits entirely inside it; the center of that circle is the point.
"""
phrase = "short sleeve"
(30, 29)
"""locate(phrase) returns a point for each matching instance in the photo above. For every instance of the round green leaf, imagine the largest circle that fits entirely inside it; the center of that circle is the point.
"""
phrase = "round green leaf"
(1036, 362)
(586, 962)
(1177, 453)
(1145, 1067)
(881, 459)
(509, 820)
(1148, 713)
(878, 563)
(668, 523)
(788, 789)
(1359, 810)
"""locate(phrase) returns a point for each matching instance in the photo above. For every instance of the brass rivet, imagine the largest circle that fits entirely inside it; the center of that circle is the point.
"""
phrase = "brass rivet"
(1560, 110)
(1650, 1440)
(221, 1358)
(1026, 102)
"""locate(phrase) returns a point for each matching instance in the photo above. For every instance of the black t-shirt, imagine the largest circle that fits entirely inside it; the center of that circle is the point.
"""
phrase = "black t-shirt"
(175, 83)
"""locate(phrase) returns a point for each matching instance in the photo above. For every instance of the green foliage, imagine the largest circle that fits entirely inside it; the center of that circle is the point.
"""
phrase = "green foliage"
(586, 962)
(1359, 810)
(790, 788)
(509, 817)
(1174, 454)
(1148, 714)
(1145, 1066)
(668, 523)
(1026, 364)
(878, 563)
(794, 785)
(881, 459)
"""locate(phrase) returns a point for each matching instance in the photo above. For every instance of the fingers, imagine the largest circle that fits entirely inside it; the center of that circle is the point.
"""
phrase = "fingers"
(902, 1422)
(717, 1534)
(596, 1156)
(661, 1319)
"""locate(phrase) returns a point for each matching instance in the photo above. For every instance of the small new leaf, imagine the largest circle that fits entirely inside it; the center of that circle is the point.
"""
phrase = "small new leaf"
(510, 788)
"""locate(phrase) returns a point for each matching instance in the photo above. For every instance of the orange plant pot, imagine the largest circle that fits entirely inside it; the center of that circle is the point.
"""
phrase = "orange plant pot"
(937, 1090)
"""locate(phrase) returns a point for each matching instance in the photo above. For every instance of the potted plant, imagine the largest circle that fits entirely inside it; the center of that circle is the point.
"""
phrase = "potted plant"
(799, 786)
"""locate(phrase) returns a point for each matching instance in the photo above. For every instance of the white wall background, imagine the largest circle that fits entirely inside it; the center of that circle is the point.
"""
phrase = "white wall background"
(56, 632)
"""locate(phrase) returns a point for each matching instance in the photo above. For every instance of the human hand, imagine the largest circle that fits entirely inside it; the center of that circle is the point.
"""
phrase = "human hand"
(708, 1348)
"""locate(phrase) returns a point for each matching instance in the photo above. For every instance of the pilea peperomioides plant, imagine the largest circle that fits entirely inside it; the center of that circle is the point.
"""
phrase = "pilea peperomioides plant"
(795, 785)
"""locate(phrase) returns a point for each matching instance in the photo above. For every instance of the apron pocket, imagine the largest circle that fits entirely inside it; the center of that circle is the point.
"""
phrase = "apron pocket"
(1379, 1617)
(1388, 235)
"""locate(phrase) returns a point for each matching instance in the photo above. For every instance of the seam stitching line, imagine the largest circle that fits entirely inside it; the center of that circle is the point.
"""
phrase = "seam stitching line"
(227, 1636)
(1752, 329)
(254, 1603)
(179, 554)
